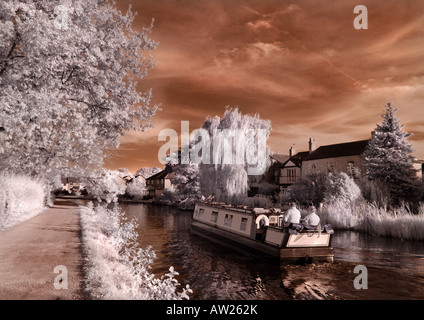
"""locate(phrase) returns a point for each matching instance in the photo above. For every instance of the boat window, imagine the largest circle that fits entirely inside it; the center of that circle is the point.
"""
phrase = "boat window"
(228, 220)
(214, 216)
(201, 211)
(243, 224)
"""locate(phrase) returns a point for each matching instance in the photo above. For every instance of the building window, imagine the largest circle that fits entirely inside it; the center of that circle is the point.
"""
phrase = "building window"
(214, 216)
(243, 224)
(228, 221)
(291, 175)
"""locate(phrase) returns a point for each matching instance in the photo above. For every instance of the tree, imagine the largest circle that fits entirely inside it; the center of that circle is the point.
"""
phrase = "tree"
(310, 190)
(104, 184)
(187, 185)
(147, 172)
(136, 188)
(68, 90)
(242, 138)
(388, 157)
(341, 187)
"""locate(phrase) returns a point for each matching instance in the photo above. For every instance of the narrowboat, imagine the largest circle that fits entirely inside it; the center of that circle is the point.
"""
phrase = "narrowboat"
(262, 233)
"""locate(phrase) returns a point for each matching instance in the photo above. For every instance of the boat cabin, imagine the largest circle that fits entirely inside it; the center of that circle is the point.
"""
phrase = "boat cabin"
(262, 231)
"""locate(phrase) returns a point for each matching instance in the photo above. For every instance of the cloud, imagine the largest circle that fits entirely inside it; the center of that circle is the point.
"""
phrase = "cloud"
(304, 66)
(259, 24)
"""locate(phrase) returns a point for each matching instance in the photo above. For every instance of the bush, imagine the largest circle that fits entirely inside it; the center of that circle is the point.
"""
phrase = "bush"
(106, 186)
(375, 192)
(116, 267)
(340, 187)
(21, 198)
(136, 189)
(365, 217)
(309, 190)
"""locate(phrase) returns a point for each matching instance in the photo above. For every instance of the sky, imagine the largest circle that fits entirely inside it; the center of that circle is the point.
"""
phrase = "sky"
(301, 64)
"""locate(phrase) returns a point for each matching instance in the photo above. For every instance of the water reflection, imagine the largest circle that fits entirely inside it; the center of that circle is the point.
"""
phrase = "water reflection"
(216, 272)
(370, 250)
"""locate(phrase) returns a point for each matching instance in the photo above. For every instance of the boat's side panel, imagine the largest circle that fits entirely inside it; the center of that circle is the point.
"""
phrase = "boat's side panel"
(241, 223)
(308, 239)
(223, 236)
(205, 214)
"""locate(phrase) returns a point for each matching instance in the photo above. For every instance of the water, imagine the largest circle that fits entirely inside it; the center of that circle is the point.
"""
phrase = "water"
(395, 267)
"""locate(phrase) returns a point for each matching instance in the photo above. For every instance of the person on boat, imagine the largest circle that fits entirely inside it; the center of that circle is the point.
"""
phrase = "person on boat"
(292, 215)
(312, 218)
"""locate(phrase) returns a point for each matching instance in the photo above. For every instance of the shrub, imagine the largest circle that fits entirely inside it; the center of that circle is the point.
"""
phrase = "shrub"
(136, 189)
(116, 266)
(21, 198)
(309, 190)
(365, 217)
(106, 185)
(340, 187)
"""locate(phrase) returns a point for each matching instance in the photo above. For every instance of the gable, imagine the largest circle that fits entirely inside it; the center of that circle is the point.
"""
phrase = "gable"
(289, 163)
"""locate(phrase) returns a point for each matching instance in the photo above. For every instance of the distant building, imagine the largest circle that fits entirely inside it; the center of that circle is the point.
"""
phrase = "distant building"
(291, 170)
(273, 173)
(419, 166)
(342, 157)
(72, 184)
(159, 182)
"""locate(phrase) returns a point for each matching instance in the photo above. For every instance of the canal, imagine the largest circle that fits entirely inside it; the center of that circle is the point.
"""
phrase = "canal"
(394, 268)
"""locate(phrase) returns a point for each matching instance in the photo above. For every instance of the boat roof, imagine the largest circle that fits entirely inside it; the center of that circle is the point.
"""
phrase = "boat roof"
(239, 208)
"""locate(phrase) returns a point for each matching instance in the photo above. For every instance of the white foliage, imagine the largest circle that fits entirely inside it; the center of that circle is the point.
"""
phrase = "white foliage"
(388, 156)
(136, 188)
(147, 172)
(185, 189)
(106, 185)
(116, 266)
(67, 94)
(369, 218)
(230, 181)
(341, 187)
(21, 198)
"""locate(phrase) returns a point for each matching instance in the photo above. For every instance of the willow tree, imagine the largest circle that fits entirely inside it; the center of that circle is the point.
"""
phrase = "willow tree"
(237, 150)
(68, 90)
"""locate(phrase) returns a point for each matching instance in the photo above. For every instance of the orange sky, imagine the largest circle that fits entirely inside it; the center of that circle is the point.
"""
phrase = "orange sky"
(300, 64)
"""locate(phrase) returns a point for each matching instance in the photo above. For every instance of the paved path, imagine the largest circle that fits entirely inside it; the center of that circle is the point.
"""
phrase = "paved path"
(29, 253)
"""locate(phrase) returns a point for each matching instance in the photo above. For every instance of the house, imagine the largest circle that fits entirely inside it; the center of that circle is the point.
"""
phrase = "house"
(273, 173)
(342, 157)
(159, 182)
(291, 170)
(419, 167)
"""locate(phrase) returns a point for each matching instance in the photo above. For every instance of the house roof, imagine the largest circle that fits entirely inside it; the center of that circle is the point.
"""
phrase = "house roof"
(161, 175)
(282, 158)
(338, 150)
(297, 158)
(331, 151)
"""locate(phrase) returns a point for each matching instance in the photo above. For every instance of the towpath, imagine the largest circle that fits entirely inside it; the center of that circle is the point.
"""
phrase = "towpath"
(30, 252)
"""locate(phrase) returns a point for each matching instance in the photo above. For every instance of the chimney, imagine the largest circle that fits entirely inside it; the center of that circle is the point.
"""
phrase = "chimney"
(292, 151)
(311, 145)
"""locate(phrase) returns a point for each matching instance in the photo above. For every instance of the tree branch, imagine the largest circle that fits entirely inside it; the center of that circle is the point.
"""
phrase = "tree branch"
(92, 105)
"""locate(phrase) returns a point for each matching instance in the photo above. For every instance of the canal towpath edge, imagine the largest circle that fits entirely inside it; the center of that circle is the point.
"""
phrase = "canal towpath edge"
(35, 252)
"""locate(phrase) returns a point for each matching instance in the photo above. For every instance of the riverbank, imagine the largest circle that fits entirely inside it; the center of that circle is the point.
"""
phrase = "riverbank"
(90, 198)
(32, 250)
